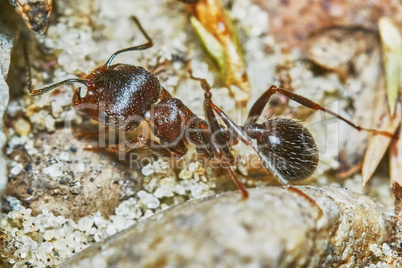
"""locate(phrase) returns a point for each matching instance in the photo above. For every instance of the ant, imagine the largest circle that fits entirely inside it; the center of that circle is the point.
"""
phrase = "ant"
(120, 96)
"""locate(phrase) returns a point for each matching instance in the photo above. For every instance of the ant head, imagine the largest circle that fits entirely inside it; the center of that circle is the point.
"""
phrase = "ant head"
(288, 146)
(118, 96)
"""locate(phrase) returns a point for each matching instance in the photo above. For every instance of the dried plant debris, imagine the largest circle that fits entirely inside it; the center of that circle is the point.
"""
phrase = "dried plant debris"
(34, 13)
(355, 55)
(378, 144)
(218, 34)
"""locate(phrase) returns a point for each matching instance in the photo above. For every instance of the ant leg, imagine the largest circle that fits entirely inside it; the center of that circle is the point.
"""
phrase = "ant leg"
(240, 186)
(259, 105)
(214, 136)
(140, 47)
(209, 105)
(153, 145)
(177, 150)
(218, 143)
(245, 139)
(217, 140)
(158, 148)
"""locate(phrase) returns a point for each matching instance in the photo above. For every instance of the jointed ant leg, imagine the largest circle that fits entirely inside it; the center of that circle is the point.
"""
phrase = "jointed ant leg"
(208, 105)
(225, 161)
(217, 140)
(217, 134)
(220, 146)
(140, 47)
(240, 186)
(153, 145)
(259, 105)
(245, 139)
(210, 108)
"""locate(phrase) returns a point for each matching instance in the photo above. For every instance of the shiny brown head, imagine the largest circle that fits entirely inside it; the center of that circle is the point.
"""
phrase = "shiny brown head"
(117, 96)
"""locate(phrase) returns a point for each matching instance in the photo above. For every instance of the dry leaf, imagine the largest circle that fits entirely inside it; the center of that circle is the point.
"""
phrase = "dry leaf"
(378, 145)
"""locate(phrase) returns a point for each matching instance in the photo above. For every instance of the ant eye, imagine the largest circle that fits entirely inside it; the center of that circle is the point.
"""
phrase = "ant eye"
(83, 92)
(290, 146)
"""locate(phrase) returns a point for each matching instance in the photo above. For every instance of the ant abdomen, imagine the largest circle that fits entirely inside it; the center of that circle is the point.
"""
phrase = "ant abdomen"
(288, 146)
(118, 96)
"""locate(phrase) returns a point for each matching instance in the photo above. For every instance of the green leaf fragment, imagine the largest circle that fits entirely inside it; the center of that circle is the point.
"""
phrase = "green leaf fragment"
(392, 51)
(211, 44)
(234, 35)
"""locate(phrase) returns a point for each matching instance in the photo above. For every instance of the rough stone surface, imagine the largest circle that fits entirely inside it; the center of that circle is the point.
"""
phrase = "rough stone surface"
(5, 50)
(67, 180)
(273, 228)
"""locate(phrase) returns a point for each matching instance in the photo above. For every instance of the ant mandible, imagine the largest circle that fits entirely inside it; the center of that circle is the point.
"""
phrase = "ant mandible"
(120, 96)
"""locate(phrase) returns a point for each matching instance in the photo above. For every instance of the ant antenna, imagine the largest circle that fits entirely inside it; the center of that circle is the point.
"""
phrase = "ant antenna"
(43, 90)
(140, 47)
(40, 91)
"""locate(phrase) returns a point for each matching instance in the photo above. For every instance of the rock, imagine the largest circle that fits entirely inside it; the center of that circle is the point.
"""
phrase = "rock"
(5, 50)
(68, 179)
(273, 228)
(22, 127)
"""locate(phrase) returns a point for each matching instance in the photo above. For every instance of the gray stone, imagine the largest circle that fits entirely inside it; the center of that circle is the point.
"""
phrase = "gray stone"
(5, 50)
(273, 228)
